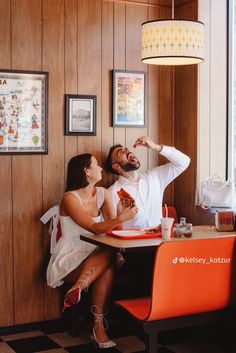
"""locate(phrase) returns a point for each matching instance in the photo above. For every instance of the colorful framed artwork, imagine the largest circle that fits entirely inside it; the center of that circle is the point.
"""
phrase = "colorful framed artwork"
(23, 112)
(129, 98)
(80, 115)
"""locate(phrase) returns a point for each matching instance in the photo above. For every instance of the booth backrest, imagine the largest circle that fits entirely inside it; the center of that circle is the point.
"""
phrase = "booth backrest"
(171, 213)
(192, 277)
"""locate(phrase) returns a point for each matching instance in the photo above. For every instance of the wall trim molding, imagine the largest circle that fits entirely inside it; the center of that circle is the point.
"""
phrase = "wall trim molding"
(139, 3)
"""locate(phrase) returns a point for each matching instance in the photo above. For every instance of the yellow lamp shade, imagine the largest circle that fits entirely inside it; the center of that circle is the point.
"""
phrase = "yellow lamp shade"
(172, 42)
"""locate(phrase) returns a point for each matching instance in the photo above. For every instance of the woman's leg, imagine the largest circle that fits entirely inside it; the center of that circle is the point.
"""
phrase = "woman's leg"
(102, 277)
(96, 264)
(100, 294)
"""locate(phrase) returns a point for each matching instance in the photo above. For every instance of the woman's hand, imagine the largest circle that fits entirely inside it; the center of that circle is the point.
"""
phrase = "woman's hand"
(128, 213)
(124, 204)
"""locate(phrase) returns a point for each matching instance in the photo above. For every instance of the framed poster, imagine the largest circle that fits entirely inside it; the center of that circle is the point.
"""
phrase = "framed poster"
(23, 112)
(80, 115)
(129, 101)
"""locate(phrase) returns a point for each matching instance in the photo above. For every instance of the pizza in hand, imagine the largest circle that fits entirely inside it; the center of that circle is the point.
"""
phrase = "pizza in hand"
(126, 198)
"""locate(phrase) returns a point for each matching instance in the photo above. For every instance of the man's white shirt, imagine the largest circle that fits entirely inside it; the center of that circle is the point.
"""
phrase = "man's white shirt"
(148, 190)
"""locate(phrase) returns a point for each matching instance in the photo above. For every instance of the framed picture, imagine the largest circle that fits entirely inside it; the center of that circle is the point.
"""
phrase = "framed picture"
(23, 112)
(129, 101)
(80, 115)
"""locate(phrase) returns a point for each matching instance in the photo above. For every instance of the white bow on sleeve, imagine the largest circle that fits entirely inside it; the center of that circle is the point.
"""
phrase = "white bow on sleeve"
(53, 215)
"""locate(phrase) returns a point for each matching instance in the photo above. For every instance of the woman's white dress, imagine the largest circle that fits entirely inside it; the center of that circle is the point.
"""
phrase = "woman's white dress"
(70, 250)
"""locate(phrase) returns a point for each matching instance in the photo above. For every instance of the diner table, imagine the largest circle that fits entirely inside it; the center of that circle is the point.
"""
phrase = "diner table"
(130, 245)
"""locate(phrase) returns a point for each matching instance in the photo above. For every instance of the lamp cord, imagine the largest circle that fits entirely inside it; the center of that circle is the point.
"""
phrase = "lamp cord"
(173, 9)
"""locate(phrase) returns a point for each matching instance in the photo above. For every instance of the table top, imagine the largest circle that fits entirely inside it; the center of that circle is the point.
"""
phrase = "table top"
(199, 232)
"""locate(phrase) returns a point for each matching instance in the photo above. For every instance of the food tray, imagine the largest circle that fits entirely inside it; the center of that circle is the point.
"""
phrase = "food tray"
(132, 234)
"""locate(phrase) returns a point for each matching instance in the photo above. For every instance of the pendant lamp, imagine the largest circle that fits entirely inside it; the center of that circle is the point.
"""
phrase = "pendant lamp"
(172, 42)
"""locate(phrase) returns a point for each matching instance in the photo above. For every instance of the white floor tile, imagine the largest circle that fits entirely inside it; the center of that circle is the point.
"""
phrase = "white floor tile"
(4, 348)
(65, 340)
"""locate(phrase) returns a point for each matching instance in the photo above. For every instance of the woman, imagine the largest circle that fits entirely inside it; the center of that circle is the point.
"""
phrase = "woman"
(85, 209)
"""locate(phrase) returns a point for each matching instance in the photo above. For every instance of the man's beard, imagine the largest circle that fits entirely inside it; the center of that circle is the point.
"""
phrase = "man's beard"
(129, 167)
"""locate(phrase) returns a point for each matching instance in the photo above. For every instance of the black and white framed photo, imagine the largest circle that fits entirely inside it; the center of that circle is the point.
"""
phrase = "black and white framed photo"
(80, 115)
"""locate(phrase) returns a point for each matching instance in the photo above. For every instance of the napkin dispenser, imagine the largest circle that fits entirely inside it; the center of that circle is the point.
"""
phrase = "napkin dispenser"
(224, 221)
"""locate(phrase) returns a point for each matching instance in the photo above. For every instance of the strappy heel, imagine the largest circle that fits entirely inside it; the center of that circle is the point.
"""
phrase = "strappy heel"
(100, 317)
(73, 296)
(102, 345)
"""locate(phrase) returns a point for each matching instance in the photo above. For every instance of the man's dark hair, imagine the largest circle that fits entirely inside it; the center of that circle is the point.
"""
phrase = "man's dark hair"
(109, 160)
(76, 176)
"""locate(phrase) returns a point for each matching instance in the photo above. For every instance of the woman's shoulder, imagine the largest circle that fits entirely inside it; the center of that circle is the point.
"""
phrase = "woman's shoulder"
(71, 196)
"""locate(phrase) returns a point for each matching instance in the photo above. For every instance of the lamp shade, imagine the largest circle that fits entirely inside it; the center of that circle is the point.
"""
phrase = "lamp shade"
(172, 42)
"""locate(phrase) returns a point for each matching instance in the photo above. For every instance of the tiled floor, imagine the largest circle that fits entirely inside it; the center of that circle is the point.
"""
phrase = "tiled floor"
(201, 339)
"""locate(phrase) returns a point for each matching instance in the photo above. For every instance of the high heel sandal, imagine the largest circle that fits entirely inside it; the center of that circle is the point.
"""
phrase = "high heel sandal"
(100, 317)
(102, 345)
(73, 296)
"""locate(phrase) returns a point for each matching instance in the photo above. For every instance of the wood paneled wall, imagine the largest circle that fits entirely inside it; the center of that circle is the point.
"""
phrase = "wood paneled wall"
(78, 42)
(186, 128)
(185, 122)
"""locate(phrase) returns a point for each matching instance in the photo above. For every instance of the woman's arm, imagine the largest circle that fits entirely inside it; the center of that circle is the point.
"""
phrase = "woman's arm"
(108, 209)
(72, 207)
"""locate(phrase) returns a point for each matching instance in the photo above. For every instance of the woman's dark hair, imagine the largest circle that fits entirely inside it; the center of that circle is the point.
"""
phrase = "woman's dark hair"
(109, 160)
(76, 176)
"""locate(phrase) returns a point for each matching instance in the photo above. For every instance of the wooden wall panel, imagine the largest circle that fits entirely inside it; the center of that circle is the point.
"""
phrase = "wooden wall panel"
(107, 66)
(53, 163)
(186, 138)
(166, 110)
(89, 66)
(6, 242)
(71, 68)
(79, 42)
(186, 125)
(5, 34)
(152, 98)
(27, 177)
(205, 80)
(119, 56)
(135, 15)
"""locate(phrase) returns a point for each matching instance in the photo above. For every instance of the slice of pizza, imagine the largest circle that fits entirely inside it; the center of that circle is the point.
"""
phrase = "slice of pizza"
(126, 198)
(154, 230)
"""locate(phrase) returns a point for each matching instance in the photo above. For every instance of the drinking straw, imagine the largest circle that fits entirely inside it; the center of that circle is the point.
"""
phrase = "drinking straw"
(166, 208)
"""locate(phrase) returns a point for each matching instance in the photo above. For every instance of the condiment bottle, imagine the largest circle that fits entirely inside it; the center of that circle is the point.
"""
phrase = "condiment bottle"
(182, 221)
(188, 230)
(182, 225)
(177, 230)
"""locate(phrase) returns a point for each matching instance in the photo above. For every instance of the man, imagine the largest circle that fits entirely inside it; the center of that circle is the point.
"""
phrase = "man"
(146, 188)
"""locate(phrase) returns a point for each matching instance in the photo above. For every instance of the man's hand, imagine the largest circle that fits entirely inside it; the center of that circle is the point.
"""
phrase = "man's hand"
(145, 141)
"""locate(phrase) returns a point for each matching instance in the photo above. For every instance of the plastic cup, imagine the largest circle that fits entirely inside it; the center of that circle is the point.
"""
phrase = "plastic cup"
(166, 226)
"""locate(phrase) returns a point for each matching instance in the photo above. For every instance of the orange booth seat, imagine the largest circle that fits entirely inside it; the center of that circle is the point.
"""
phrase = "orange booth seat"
(192, 281)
